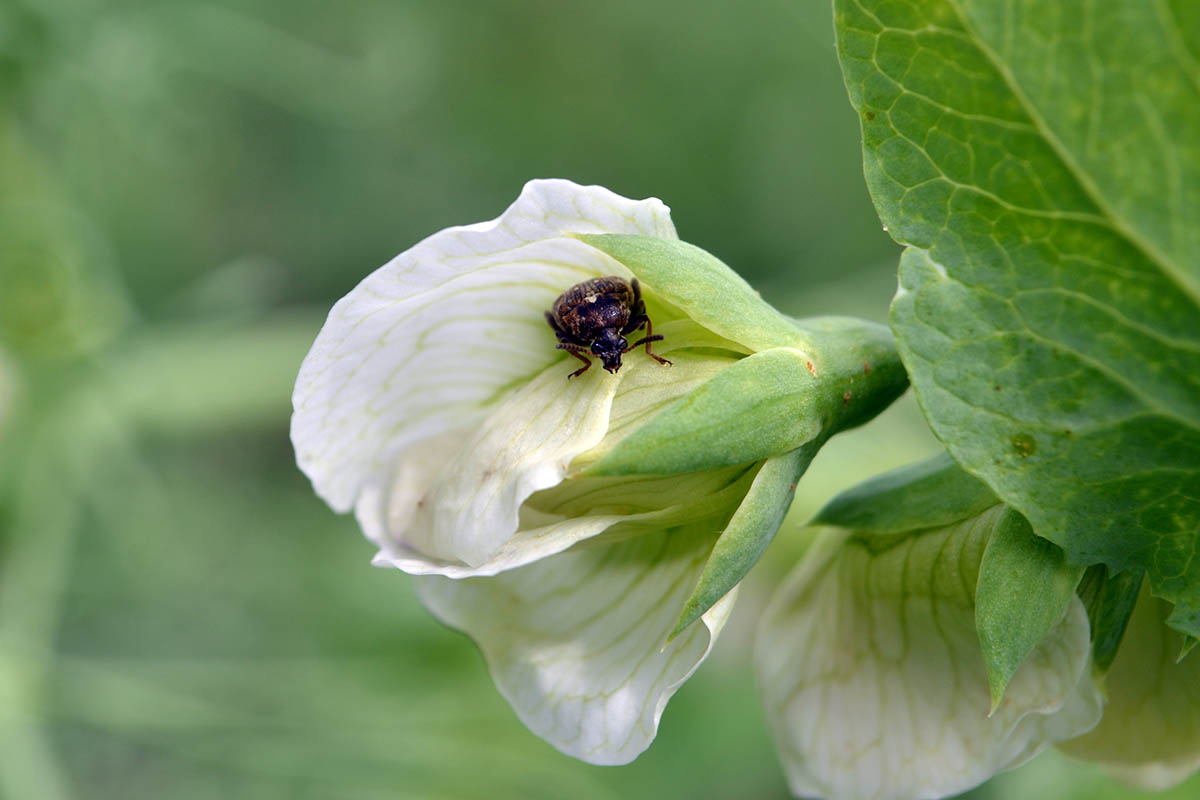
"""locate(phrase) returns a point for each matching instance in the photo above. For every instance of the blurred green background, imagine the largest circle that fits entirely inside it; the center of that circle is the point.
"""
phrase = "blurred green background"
(185, 188)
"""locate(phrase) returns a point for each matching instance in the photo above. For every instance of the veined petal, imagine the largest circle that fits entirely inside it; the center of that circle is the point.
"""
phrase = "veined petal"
(523, 446)
(555, 519)
(427, 342)
(575, 642)
(1150, 734)
(874, 680)
(453, 505)
(647, 389)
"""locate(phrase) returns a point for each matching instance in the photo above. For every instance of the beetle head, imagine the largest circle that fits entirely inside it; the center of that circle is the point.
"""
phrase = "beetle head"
(608, 347)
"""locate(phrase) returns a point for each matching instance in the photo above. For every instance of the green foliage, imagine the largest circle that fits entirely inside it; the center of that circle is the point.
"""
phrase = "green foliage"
(1043, 168)
(885, 509)
(929, 494)
(1024, 587)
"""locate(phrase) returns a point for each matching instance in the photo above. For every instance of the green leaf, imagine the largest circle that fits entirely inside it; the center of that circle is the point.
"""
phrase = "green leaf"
(925, 495)
(767, 404)
(1043, 166)
(748, 533)
(702, 286)
(1025, 585)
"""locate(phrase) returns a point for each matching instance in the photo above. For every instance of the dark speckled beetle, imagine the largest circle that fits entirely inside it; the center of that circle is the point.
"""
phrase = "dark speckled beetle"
(595, 317)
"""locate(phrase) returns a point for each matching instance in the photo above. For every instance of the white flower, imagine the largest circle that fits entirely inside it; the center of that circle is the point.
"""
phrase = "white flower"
(435, 405)
(874, 680)
(1150, 733)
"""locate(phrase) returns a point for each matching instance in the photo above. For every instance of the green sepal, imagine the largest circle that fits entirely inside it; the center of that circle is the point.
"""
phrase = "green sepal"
(753, 409)
(702, 286)
(1189, 642)
(1110, 604)
(1025, 584)
(928, 494)
(768, 403)
(748, 533)
(1185, 614)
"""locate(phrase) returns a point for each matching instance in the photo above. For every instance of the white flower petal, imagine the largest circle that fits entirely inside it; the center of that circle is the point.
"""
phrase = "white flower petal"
(524, 446)
(577, 642)
(874, 682)
(455, 499)
(425, 343)
(554, 520)
(1150, 733)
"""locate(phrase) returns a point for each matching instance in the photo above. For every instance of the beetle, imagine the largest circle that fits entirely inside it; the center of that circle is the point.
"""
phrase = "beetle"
(595, 316)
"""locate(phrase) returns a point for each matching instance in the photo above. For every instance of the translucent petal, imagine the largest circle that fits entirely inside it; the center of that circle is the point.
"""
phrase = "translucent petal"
(425, 344)
(577, 642)
(873, 678)
(1150, 734)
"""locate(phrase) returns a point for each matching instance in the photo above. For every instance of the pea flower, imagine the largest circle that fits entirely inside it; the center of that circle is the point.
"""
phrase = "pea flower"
(588, 534)
(869, 656)
(1150, 734)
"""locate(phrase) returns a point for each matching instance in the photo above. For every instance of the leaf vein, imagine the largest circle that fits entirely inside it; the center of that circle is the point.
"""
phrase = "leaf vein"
(1118, 223)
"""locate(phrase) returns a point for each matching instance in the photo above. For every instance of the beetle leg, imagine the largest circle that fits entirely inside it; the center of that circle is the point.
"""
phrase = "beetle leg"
(646, 340)
(574, 349)
(637, 318)
(637, 311)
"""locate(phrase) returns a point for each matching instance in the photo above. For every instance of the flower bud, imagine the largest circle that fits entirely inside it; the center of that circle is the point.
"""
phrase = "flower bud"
(575, 527)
